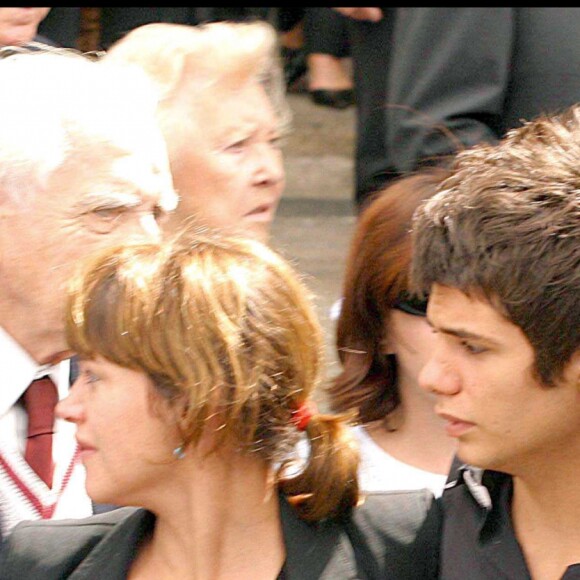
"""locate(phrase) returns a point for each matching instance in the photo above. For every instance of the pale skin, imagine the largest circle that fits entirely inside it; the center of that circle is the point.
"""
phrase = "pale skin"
(226, 158)
(20, 25)
(418, 439)
(359, 13)
(327, 72)
(101, 196)
(481, 370)
(217, 515)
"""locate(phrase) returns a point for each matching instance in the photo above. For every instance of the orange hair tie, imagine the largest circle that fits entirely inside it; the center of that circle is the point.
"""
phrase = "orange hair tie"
(302, 414)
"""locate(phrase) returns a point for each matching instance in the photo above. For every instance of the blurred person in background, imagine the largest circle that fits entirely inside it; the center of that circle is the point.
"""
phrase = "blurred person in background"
(439, 80)
(223, 113)
(382, 341)
(370, 34)
(315, 44)
(62, 26)
(327, 46)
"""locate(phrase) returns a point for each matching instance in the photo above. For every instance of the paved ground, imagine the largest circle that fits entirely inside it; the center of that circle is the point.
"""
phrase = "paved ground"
(316, 217)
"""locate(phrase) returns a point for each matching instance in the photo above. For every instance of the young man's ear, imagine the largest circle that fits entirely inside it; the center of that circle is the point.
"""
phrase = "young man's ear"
(572, 371)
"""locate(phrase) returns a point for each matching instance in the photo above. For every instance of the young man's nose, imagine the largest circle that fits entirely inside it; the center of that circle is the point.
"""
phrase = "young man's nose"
(439, 377)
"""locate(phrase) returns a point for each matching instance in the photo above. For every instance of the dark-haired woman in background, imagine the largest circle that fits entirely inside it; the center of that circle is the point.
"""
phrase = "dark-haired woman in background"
(382, 340)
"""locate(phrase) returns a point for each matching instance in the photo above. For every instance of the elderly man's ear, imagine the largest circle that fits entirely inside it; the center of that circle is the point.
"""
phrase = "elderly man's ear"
(571, 374)
(7, 204)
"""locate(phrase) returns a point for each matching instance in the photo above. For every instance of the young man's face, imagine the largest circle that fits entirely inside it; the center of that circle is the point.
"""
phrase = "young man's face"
(481, 369)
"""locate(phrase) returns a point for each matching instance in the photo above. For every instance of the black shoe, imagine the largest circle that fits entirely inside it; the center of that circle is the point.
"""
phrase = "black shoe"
(295, 65)
(335, 99)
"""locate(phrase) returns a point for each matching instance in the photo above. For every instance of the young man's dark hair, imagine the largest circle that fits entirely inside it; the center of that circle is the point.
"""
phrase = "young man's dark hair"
(498, 250)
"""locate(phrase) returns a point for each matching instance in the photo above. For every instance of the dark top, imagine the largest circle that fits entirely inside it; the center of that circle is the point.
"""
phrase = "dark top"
(479, 542)
(476, 72)
(394, 535)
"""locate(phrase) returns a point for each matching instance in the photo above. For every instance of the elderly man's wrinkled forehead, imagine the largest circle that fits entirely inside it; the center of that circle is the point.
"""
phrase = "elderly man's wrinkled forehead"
(141, 169)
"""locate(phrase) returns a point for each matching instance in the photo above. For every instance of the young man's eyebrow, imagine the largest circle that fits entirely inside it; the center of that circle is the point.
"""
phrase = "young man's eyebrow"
(459, 332)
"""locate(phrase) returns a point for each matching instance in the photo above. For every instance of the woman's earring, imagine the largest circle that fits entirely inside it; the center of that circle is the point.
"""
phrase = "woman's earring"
(179, 452)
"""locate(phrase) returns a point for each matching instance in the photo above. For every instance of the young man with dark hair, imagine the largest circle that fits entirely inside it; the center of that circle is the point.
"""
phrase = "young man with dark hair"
(498, 251)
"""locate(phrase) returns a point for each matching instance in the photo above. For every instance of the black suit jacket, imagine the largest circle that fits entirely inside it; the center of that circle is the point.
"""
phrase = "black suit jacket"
(448, 78)
(394, 535)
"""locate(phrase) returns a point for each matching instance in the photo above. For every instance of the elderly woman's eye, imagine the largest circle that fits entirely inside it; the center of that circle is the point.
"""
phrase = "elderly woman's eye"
(278, 141)
(237, 146)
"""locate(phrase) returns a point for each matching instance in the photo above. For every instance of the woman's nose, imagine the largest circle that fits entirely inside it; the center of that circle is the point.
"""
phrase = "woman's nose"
(70, 408)
(270, 166)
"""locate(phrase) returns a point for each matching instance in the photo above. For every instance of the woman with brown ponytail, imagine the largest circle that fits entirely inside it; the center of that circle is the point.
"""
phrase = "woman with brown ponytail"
(198, 360)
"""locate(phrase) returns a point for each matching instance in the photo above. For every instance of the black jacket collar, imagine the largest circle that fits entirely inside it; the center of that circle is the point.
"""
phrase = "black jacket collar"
(313, 552)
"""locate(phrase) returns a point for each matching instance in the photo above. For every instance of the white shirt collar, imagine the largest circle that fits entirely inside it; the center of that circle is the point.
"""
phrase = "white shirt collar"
(19, 369)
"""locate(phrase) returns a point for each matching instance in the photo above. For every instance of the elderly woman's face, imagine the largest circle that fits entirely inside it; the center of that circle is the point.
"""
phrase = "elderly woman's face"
(126, 438)
(226, 161)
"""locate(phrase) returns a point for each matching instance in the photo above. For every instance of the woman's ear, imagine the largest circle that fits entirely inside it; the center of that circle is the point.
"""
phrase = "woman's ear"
(386, 345)
(178, 410)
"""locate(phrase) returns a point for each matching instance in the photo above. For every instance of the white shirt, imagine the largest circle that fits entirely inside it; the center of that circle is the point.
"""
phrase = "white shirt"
(18, 371)
(379, 471)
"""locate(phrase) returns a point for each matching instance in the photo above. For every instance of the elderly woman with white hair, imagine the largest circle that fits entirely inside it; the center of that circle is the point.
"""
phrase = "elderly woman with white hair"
(223, 114)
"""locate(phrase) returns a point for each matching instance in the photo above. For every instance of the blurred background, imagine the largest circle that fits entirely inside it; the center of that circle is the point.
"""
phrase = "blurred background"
(316, 216)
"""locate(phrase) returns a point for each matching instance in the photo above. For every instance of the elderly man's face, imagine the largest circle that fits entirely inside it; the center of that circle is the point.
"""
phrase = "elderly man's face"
(101, 196)
(226, 160)
(19, 25)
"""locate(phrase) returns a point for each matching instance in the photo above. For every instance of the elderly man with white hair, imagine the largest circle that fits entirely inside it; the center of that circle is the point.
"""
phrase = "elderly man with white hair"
(83, 166)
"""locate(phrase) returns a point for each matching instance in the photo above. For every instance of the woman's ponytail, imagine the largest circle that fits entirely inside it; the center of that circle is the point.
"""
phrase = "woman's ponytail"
(327, 486)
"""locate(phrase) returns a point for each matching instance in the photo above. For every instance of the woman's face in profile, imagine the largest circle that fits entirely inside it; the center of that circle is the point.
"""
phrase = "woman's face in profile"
(226, 160)
(125, 432)
(411, 340)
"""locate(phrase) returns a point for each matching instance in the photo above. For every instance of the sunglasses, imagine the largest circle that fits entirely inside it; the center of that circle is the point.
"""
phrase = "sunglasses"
(411, 304)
